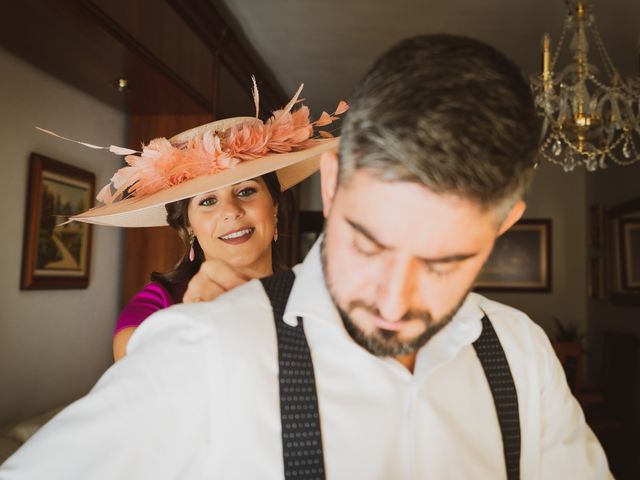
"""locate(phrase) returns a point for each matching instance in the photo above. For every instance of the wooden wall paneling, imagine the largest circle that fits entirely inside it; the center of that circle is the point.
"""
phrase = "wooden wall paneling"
(210, 25)
(156, 31)
(147, 250)
(234, 98)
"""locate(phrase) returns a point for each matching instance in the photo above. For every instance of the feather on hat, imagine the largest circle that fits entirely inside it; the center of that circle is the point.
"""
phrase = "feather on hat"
(208, 157)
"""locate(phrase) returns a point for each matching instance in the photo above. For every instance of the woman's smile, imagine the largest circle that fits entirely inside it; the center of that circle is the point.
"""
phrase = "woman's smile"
(238, 236)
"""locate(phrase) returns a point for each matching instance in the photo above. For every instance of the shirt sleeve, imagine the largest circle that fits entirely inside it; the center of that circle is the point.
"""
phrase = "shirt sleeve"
(149, 300)
(149, 415)
(569, 447)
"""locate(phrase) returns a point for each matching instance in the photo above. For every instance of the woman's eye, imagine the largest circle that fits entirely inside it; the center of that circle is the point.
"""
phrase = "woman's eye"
(208, 202)
(246, 192)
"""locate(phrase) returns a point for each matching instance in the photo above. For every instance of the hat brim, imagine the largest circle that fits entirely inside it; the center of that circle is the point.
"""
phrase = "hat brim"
(149, 211)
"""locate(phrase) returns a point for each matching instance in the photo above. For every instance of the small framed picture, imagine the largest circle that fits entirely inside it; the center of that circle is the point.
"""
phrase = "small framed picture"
(311, 225)
(630, 252)
(56, 256)
(521, 259)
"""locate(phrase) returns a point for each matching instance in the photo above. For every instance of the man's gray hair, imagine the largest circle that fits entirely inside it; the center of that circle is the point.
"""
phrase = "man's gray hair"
(448, 112)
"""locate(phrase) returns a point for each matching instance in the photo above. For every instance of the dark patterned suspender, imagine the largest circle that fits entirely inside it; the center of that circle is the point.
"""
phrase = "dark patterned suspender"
(301, 438)
(496, 368)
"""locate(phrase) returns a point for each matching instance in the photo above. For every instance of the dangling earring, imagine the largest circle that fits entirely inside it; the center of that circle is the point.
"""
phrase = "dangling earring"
(192, 252)
(275, 233)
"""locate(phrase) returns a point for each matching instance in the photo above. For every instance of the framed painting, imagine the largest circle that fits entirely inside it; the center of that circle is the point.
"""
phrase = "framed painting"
(521, 259)
(56, 256)
(311, 225)
(630, 252)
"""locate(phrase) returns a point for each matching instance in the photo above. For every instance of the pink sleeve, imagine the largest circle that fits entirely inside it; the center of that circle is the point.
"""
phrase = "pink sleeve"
(150, 299)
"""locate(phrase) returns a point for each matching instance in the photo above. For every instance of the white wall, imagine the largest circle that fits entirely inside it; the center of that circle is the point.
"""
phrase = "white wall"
(53, 344)
(561, 197)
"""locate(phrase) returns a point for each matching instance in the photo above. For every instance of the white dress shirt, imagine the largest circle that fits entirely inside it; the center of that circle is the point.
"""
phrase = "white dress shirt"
(197, 397)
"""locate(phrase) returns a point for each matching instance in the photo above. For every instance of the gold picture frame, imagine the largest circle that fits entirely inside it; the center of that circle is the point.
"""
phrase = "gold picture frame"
(56, 256)
(520, 260)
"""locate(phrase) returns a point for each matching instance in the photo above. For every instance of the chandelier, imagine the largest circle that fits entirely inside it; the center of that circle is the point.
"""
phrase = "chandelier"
(587, 121)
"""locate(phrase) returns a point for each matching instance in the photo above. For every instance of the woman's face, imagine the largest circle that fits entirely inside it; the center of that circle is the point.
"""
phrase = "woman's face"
(236, 224)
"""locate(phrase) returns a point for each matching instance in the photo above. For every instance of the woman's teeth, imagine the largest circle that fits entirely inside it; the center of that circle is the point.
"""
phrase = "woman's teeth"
(237, 234)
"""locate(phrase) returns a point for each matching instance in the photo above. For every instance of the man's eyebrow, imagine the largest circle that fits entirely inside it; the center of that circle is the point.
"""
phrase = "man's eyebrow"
(457, 257)
(362, 230)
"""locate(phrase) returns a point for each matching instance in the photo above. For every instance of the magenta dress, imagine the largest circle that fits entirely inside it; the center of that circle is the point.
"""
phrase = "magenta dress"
(150, 299)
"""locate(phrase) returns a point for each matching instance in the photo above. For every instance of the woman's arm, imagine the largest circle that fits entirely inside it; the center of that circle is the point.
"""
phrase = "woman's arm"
(149, 300)
(213, 279)
(120, 341)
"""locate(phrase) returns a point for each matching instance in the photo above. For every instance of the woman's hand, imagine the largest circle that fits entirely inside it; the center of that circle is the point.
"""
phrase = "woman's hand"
(213, 279)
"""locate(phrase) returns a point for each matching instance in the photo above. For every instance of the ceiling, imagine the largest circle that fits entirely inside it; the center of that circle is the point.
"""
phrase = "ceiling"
(329, 44)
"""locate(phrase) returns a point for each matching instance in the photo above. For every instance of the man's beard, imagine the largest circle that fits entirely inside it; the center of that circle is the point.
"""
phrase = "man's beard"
(382, 342)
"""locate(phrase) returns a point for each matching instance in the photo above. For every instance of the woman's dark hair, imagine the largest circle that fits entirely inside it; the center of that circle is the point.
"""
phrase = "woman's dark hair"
(176, 280)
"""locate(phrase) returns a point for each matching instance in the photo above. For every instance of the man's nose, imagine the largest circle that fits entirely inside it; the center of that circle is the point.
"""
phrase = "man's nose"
(397, 289)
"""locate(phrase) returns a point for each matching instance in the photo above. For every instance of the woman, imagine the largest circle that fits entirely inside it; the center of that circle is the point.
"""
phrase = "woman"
(230, 237)
(220, 184)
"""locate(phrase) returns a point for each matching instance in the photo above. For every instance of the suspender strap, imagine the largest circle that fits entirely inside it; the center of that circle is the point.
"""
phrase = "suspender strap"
(301, 438)
(496, 368)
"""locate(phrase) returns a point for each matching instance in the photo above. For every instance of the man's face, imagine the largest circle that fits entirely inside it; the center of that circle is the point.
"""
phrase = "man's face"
(399, 260)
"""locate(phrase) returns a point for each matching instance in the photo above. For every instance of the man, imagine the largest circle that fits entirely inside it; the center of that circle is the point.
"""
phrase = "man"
(415, 377)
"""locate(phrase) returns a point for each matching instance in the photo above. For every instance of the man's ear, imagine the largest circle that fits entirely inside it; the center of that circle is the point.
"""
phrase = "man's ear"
(512, 217)
(328, 180)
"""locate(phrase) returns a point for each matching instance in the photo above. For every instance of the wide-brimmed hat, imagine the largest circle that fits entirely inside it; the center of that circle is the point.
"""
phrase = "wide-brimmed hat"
(209, 157)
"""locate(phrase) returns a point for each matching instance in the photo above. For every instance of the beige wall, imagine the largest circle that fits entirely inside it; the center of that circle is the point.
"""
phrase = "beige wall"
(53, 344)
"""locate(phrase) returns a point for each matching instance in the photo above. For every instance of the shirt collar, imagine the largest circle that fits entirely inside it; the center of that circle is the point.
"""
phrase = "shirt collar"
(309, 296)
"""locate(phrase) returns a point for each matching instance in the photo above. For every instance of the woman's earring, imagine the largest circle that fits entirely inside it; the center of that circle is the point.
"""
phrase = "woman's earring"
(192, 252)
